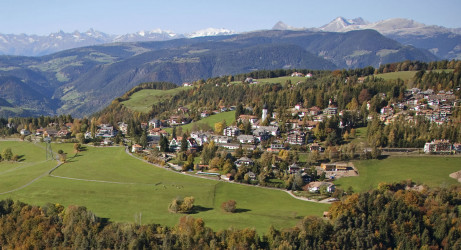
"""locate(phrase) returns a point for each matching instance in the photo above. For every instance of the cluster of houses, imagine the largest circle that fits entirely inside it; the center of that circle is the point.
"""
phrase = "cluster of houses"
(52, 130)
(435, 107)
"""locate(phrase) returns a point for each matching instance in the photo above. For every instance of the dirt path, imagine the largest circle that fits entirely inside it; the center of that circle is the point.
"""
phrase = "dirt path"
(32, 181)
(35, 179)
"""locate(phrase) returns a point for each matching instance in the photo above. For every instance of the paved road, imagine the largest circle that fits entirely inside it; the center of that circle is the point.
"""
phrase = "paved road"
(232, 182)
(50, 173)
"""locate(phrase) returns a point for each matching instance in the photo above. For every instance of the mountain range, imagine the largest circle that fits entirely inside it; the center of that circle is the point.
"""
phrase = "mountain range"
(34, 45)
(444, 43)
(83, 80)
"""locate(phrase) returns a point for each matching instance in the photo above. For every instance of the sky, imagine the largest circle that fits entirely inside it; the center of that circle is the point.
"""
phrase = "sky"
(42, 17)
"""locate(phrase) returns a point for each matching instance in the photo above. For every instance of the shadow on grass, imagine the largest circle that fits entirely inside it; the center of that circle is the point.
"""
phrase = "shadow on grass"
(73, 158)
(197, 209)
(241, 210)
(382, 157)
(21, 158)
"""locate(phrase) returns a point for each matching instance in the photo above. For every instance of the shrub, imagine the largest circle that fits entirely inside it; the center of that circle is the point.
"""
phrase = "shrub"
(184, 206)
(229, 206)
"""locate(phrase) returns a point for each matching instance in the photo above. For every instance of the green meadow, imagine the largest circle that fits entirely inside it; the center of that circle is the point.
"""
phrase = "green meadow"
(430, 170)
(143, 100)
(32, 164)
(281, 80)
(405, 75)
(228, 116)
(122, 188)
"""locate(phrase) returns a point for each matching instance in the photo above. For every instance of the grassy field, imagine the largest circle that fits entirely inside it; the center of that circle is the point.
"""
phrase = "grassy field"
(360, 135)
(430, 170)
(404, 75)
(31, 165)
(143, 100)
(119, 187)
(229, 116)
(281, 80)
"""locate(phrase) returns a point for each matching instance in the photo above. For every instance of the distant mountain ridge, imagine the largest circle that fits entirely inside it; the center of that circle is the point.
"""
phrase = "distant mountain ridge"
(442, 42)
(35, 45)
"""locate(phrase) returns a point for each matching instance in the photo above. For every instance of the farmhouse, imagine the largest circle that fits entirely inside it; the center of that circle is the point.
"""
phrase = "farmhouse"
(294, 168)
(231, 131)
(123, 127)
(297, 74)
(251, 175)
(234, 146)
(136, 148)
(296, 137)
(250, 139)
(221, 139)
(175, 144)
(154, 123)
(244, 161)
(334, 166)
(438, 146)
(248, 118)
(276, 147)
(316, 186)
(63, 133)
(315, 147)
(271, 130)
(50, 133)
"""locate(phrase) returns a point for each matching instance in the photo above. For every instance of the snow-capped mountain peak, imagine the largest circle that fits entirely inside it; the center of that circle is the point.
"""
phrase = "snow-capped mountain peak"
(341, 24)
(282, 26)
(210, 32)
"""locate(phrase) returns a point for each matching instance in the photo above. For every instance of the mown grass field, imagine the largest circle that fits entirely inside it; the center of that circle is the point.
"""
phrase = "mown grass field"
(32, 164)
(360, 135)
(430, 170)
(404, 75)
(228, 116)
(117, 186)
(143, 100)
(281, 80)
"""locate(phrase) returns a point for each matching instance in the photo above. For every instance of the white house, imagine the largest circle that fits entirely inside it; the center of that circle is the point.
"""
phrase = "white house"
(316, 186)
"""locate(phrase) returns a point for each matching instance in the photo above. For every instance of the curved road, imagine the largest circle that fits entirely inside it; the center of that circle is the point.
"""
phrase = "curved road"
(49, 173)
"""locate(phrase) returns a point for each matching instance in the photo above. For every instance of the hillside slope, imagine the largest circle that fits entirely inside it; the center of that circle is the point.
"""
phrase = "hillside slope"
(84, 80)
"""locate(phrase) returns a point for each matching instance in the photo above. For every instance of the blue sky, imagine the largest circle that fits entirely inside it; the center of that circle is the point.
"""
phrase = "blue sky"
(181, 16)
